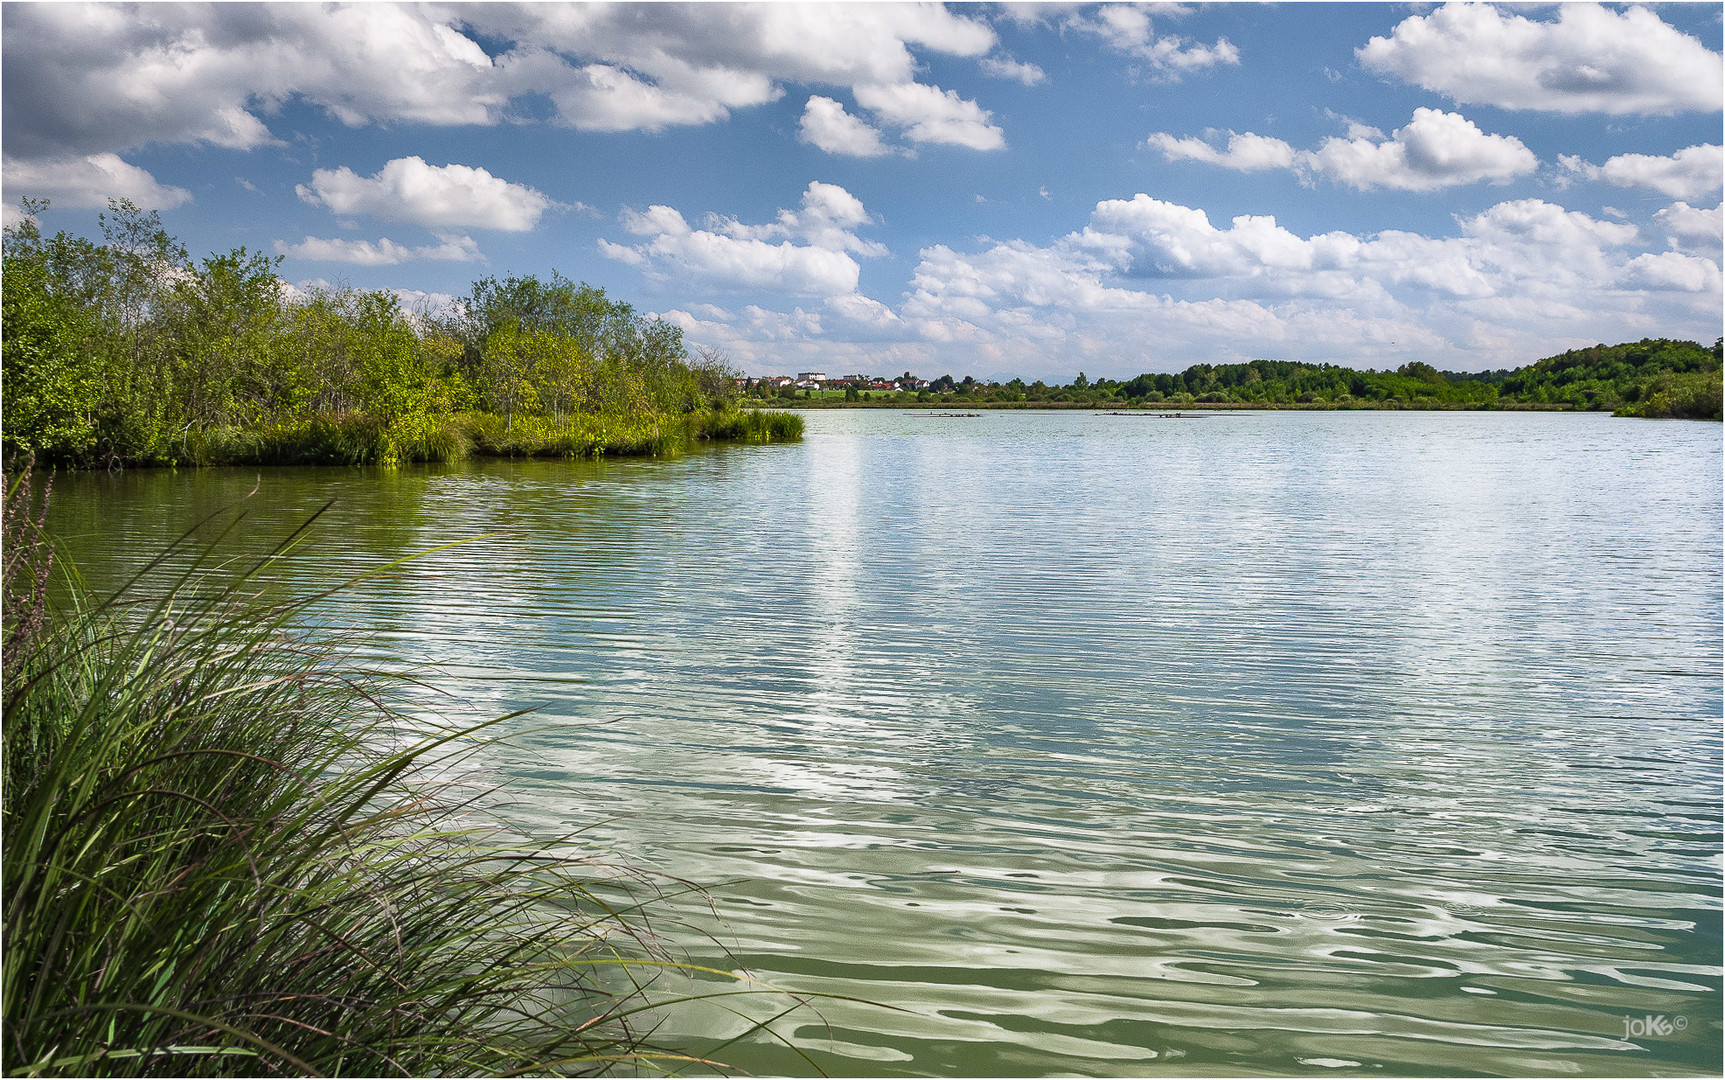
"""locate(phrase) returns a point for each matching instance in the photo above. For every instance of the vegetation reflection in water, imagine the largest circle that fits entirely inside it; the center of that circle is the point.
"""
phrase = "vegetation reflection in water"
(1270, 743)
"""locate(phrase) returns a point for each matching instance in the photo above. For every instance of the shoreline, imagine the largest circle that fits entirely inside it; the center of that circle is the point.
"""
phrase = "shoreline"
(1152, 408)
(363, 440)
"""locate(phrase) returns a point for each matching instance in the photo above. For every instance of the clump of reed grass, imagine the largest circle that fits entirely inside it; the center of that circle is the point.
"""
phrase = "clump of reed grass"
(225, 853)
(750, 425)
(26, 565)
(581, 435)
(350, 439)
(586, 435)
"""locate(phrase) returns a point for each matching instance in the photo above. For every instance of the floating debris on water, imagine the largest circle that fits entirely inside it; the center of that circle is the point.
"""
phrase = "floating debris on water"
(1164, 416)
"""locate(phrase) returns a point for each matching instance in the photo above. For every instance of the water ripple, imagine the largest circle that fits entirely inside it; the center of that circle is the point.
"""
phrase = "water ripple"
(1279, 743)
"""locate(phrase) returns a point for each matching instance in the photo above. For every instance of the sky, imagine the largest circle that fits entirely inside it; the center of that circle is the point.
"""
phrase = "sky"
(1026, 190)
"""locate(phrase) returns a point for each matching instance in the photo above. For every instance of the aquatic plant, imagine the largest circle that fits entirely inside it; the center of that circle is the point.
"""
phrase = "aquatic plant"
(625, 434)
(227, 852)
(750, 425)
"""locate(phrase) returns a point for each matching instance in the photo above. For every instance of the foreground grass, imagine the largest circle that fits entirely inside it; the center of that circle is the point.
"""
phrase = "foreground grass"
(226, 854)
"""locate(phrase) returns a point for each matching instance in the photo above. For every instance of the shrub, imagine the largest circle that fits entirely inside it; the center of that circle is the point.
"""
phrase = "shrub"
(1688, 396)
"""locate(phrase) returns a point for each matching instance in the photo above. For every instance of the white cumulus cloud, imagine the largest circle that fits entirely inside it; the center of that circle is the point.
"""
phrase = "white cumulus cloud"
(1126, 28)
(1692, 229)
(826, 125)
(1590, 59)
(436, 196)
(1245, 153)
(96, 77)
(420, 304)
(1003, 67)
(863, 311)
(1149, 284)
(828, 219)
(1673, 271)
(929, 114)
(89, 181)
(1434, 150)
(811, 258)
(1151, 237)
(383, 252)
(102, 78)
(1691, 173)
(608, 97)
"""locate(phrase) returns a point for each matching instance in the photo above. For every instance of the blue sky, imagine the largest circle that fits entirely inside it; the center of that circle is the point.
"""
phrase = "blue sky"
(991, 190)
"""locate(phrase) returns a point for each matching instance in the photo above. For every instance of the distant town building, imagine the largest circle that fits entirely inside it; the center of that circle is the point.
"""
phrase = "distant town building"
(811, 376)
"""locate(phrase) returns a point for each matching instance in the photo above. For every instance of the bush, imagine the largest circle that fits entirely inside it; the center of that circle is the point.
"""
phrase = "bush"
(1690, 396)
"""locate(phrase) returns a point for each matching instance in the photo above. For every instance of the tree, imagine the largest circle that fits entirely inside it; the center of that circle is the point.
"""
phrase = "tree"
(506, 372)
(393, 386)
(49, 384)
(1422, 371)
(715, 376)
(227, 321)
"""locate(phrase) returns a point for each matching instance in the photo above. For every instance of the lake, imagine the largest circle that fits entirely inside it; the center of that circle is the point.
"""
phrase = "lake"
(1299, 742)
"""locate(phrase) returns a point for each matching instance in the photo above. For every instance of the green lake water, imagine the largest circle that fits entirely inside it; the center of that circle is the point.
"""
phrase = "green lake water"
(1263, 743)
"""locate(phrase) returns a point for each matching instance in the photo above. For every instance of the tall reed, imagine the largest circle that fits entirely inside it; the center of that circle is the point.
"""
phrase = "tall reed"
(225, 853)
(749, 425)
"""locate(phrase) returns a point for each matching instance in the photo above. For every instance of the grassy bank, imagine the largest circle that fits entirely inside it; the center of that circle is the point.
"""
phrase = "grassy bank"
(358, 439)
(226, 853)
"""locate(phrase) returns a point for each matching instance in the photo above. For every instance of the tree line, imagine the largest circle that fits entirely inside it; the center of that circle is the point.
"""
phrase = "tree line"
(1651, 377)
(128, 350)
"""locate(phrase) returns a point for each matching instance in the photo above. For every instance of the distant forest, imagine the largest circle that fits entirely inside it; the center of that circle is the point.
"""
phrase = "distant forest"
(1654, 377)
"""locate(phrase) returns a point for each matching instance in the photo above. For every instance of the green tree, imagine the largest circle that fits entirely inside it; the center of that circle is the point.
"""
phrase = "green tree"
(227, 323)
(506, 371)
(564, 373)
(393, 385)
(48, 384)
